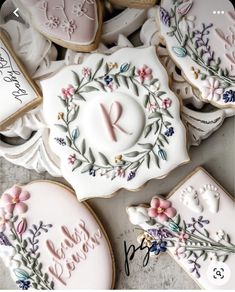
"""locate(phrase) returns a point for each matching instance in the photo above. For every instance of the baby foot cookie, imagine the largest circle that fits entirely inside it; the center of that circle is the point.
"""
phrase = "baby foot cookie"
(114, 122)
(202, 44)
(72, 24)
(189, 197)
(53, 250)
(18, 93)
(200, 241)
(135, 3)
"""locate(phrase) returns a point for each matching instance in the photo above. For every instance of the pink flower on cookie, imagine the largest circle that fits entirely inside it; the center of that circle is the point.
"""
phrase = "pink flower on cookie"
(14, 200)
(4, 220)
(144, 73)
(68, 92)
(211, 89)
(166, 103)
(161, 210)
(53, 22)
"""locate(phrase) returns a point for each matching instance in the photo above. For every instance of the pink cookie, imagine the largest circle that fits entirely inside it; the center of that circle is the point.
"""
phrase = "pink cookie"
(194, 225)
(51, 241)
(74, 24)
(135, 3)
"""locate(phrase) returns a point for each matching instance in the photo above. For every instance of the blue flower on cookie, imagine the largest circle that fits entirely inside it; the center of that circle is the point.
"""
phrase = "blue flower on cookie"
(108, 79)
(229, 96)
(23, 284)
(169, 132)
(158, 247)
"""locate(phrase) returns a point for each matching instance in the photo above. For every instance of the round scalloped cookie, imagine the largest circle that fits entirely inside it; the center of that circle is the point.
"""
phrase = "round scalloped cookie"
(53, 242)
(202, 43)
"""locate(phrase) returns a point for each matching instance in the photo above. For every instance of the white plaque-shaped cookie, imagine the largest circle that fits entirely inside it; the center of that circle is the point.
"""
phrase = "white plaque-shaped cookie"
(114, 122)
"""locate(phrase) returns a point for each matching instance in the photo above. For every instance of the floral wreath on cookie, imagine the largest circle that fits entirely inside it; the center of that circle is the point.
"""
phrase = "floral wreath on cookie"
(190, 240)
(195, 43)
(21, 253)
(154, 103)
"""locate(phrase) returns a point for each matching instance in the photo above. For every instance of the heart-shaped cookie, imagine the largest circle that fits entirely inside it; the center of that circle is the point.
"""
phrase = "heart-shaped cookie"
(114, 122)
(200, 36)
(74, 24)
(135, 3)
(51, 241)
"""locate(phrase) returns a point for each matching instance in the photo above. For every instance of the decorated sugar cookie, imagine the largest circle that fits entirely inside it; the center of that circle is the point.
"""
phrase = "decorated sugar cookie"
(71, 24)
(194, 225)
(18, 93)
(53, 250)
(114, 122)
(135, 3)
(202, 43)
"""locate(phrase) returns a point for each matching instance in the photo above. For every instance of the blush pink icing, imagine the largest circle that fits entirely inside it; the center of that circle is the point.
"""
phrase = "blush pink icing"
(70, 245)
(74, 21)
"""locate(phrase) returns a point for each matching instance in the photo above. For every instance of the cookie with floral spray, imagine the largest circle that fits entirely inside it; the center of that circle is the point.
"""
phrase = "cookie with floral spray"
(71, 24)
(202, 44)
(59, 250)
(193, 226)
(114, 122)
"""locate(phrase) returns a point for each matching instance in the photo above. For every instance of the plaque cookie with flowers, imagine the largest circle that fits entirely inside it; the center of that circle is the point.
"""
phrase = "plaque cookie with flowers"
(114, 122)
(192, 225)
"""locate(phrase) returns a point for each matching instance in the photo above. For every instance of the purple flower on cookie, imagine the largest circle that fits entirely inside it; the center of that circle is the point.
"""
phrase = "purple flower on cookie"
(229, 96)
(165, 16)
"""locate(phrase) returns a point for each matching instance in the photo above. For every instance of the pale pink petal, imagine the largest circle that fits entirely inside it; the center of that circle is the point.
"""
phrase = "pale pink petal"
(164, 203)
(24, 196)
(148, 71)
(170, 212)
(216, 84)
(219, 91)
(144, 67)
(2, 227)
(153, 212)
(162, 218)
(9, 208)
(149, 77)
(8, 216)
(155, 203)
(16, 191)
(21, 208)
(205, 92)
(6, 198)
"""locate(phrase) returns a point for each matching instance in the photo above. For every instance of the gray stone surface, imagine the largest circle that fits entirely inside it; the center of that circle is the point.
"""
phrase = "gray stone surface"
(216, 154)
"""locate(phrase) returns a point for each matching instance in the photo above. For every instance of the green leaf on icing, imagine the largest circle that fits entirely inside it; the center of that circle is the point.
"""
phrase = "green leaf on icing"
(177, 219)
(132, 72)
(103, 159)
(163, 138)
(61, 128)
(167, 113)
(87, 168)
(124, 80)
(91, 156)
(78, 96)
(155, 115)
(115, 79)
(76, 78)
(75, 115)
(160, 93)
(99, 65)
(156, 159)
(90, 89)
(146, 146)
(156, 127)
(147, 160)
(154, 81)
(135, 88)
(62, 101)
(151, 222)
(145, 100)
(132, 154)
(68, 141)
(83, 147)
(147, 130)
(106, 69)
(78, 163)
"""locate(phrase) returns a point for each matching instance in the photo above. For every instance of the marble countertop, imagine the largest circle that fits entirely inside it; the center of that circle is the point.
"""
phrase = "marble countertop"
(216, 154)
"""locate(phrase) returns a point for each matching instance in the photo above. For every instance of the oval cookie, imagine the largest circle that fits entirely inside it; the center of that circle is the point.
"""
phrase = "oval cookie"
(202, 43)
(114, 122)
(51, 241)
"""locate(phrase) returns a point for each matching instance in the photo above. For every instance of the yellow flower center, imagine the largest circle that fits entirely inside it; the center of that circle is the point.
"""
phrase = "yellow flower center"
(15, 200)
(160, 210)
